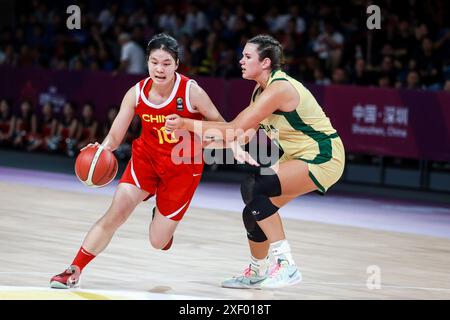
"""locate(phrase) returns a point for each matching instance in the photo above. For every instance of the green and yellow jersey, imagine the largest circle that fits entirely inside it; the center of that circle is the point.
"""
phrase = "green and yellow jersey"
(305, 133)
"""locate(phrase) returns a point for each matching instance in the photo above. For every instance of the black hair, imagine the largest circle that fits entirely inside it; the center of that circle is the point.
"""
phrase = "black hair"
(90, 104)
(164, 42)
(269, 47)
(7, 101)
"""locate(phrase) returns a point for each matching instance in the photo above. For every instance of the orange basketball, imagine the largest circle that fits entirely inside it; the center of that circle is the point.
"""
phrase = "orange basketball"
(96, 166)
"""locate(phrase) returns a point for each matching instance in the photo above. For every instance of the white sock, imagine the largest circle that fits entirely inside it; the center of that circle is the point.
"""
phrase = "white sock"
(282, 250)
(260, 265)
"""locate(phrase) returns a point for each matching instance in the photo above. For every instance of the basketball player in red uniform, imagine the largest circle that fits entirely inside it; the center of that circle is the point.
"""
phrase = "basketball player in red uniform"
(151, 170)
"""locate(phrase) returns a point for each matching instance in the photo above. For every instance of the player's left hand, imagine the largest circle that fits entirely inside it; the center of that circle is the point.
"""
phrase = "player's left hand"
(173, 122)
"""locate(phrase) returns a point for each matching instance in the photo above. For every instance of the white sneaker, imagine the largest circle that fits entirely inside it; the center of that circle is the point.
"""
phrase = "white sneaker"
(282, 274)
(250, 279)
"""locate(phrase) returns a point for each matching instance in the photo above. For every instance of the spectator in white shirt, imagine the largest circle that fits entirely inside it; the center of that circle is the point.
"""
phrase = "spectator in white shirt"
(328, 45)
(132, 56)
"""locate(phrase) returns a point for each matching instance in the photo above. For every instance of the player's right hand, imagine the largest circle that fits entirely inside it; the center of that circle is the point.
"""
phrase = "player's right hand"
(173, 122)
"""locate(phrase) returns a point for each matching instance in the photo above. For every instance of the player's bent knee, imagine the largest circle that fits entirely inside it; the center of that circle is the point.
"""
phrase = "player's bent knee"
(254, 231)
(260, 185)
(261, 207)
(158, 242)
(268, 185)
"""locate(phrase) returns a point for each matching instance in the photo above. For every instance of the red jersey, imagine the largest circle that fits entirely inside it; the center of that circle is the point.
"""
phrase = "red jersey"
(153, 137)
(5, 124)
(152, 167)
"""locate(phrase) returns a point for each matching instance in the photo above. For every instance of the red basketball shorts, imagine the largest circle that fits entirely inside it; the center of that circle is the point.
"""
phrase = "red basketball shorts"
(174, 185)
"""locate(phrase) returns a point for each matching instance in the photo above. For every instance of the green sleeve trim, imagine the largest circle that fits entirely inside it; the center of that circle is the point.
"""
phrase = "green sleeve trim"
(278, 79)
(255, 93)
(274, 71)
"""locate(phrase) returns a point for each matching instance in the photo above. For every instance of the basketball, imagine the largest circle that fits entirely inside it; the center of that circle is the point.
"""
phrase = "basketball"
(96, 166)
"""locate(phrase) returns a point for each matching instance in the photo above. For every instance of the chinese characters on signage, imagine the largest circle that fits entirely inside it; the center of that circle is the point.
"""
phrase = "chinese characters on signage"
(371, 120)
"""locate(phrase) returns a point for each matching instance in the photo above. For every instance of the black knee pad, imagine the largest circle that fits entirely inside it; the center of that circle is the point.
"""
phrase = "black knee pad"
(257, 184)
(268, 185)
(254, 232)
(247, 187)
(261, 208)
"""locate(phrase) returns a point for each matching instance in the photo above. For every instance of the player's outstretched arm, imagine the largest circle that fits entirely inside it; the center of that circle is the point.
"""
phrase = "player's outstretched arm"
(201, 101)
(121, 122)
(273, 98)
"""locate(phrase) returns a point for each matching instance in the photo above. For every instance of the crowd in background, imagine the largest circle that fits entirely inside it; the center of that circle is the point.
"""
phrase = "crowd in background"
(64, 133)
(325, 42)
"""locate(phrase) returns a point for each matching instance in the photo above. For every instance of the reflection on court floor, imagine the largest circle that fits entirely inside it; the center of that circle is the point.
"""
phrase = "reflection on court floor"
(36, 293)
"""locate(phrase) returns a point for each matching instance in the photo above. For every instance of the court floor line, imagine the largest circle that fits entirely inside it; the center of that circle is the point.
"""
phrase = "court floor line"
(321, 283)
(38, 293)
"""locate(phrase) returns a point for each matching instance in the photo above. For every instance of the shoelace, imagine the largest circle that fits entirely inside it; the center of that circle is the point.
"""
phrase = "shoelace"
(274, 271)
(248, 271)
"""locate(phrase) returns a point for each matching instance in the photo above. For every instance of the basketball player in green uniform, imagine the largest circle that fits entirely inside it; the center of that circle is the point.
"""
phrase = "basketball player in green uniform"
(313, 159)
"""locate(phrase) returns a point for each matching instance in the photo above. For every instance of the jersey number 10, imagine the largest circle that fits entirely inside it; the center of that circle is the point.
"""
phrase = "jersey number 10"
(162, 135)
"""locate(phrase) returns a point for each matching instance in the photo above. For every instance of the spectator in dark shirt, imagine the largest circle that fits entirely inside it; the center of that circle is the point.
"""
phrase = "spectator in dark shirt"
(87, 128)
(360, 75)
(7, 123)
(26, 126)
(47, 125)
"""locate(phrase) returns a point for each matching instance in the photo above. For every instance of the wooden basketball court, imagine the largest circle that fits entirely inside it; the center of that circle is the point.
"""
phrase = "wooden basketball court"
(42, 228)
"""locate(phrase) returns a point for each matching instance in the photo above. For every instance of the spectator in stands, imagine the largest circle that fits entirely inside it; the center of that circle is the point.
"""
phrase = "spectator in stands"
(387, 69)
(123, 152)
(430, 67)
(404, 42)
(40, 37)
(26, 126)
(360, 75)
(112, 113)
(226, 67)
(132, 56)
(7, 123)
(167, 21)
(413, 80)
(447, 86)
(64, 140)
(329, 44)
(339, 76)
(87, 127)
(47, 125)
(384, 82)
(196, 19)
(319, 77)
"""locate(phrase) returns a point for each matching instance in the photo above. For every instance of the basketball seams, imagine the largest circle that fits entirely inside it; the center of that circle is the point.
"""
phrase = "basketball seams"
(89, 181)
(111, 159)
(93, 169)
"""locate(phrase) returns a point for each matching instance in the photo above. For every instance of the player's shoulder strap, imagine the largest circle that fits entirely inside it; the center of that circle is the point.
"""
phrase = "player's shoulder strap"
(138, 87)
(187, 82)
